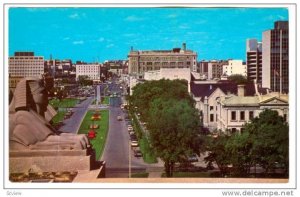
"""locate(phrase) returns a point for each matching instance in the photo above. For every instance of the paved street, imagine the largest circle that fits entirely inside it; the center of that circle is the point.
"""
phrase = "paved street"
(117, 153)
(72, 124)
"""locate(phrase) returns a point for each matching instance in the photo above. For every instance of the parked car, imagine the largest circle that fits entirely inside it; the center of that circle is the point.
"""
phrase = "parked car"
(130, 128)
(134, 144)
(119, 118)
(133, 138)
(193, 158)
(137, 153)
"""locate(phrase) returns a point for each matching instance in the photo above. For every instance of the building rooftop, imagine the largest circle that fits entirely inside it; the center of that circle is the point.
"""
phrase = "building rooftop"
(241, 100)
(228, 87)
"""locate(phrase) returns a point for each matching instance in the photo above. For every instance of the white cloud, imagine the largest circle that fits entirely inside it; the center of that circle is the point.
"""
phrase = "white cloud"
(78, 42)
(77, 15)
(200, 22)
(133, 18)
(129, 35)
(101, 39)
(172, 16)
(110, 45)
(37, 9)
(184, 26)
(274, 18)
(74, 16)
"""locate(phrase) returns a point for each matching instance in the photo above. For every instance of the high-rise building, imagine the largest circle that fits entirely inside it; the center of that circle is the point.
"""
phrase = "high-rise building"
(254, 60)
(25, 64)
(275, 58)
(142, 61)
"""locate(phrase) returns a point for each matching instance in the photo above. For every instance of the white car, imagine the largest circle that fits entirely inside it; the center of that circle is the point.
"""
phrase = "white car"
(134, 144)
(130, 129)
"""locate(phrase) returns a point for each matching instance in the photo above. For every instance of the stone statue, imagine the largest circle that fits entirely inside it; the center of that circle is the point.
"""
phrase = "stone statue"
(29, 116)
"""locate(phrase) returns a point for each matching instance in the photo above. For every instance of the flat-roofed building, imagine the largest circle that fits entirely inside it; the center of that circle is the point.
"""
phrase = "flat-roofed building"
(90, 70)
(235, 67)
(25, 64)
(143, 61)
(275, 57)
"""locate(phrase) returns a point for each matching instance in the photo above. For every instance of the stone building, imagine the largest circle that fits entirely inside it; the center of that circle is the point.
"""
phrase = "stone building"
(227, 106)
(142, 61)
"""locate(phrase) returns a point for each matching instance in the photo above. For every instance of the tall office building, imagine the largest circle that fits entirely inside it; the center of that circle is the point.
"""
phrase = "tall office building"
(25, 64)
(275, 58)
(254, 60)
(142, 61)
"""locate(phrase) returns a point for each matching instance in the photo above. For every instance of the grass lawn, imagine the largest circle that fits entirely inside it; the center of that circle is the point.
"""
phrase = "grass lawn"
(148, 154)
(106, 100)
(140, 175)
(99, 141)
(58, 117)
(188, 174)
(67, 102)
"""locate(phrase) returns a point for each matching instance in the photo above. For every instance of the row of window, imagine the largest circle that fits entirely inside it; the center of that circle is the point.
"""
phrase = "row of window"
(242, 115)
(167, 58)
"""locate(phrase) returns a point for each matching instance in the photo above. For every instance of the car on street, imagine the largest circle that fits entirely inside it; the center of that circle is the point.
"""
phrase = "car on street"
(130, 128)
(133, 138)
(137, 153)
(134, 144)
(119, 118)
(193, 158)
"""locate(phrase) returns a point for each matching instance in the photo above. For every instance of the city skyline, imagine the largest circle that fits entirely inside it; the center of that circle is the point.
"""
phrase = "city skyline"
(99, 34)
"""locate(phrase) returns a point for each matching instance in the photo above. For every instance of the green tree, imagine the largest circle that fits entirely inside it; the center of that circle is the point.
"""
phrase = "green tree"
(237, 78)
(217, 153)
(145, 93)
(174, 127)
(84, 80)
(239, 148)
(270, 136)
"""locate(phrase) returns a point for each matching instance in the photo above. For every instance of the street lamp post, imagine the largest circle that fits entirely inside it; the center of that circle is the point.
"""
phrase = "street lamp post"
(129, 159)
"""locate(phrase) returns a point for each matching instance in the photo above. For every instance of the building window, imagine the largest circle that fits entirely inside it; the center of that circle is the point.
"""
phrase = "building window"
(211, 108)
(251, 115)
(233, 130)
(211, 118)
(233, 115)
(242, 115)
(285, 117)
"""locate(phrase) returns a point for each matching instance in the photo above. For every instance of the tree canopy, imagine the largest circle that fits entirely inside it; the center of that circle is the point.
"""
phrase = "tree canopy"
(174, 127)
(145, 93)
(173, 121)
(270, 139)
(264, 141)
(237, 78)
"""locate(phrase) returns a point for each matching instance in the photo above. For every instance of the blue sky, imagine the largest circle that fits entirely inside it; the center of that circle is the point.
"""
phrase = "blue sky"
(98, 34)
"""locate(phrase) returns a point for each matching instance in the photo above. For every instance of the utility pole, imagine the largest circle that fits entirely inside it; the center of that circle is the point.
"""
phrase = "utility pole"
(129, 159)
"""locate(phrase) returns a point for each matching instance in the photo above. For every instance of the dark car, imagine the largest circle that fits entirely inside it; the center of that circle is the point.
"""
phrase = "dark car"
(137, 153)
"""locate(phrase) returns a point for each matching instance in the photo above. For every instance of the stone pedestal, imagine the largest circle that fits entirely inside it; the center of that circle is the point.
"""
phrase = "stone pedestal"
(50, 161)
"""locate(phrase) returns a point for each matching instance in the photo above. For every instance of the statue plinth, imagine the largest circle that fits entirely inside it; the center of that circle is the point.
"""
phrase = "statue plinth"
(50, 160)
(34, 146)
